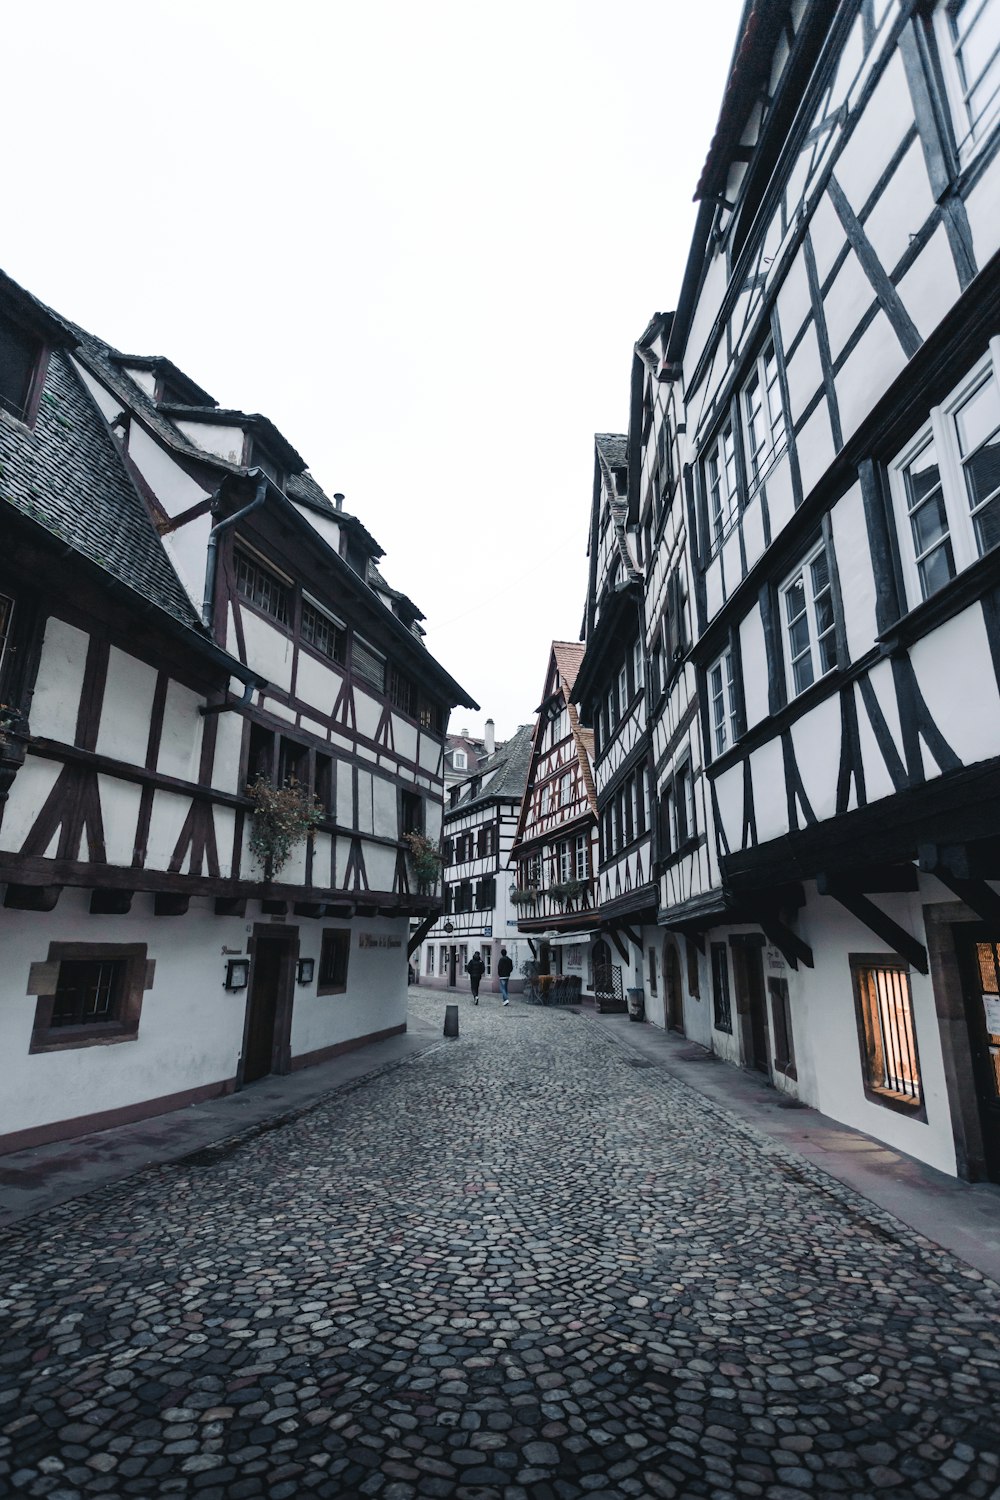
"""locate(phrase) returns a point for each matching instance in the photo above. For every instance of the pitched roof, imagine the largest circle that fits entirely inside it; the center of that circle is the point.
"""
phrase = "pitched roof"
(613, 447)
(568, 655)
(507, 770)
(66, 475)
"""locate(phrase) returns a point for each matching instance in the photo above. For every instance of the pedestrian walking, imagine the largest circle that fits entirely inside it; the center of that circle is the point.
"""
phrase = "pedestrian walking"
(475, 969)
(504, 970)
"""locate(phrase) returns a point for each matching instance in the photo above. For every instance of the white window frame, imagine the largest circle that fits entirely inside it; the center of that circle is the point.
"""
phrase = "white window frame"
(459, 760)
(430, 960)
(637, 664)
(623, 692)
(969, 134)
(941, 429)
(722, 703)
(720, 485)
(818, 670)
(765, 376)
(582, 856)
(565, 853)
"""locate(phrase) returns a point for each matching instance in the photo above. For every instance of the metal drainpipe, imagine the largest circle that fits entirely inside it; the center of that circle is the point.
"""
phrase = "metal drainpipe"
(211, 558)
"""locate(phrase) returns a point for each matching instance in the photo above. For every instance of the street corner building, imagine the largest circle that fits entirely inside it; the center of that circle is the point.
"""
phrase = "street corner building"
(792, 635)
(184, 614)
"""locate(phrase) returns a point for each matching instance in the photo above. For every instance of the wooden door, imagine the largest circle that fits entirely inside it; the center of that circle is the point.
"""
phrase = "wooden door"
(672, 987)
(980, 963)
(269, 1017)
(751, 1004)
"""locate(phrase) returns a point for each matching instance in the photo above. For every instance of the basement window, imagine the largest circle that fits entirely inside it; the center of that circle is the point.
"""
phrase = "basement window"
(889, 1059)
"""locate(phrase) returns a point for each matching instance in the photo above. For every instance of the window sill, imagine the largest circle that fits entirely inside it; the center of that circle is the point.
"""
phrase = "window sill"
(331, 989)
(902, 1105)
(67, 1038)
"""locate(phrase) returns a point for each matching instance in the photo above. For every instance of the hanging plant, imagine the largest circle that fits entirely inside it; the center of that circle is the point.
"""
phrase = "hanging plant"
(283, 816)
(425, 859)
(523, 895)
(565, 890)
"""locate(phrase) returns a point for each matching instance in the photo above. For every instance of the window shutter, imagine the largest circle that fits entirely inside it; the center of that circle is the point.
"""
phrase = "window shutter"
(447, 850)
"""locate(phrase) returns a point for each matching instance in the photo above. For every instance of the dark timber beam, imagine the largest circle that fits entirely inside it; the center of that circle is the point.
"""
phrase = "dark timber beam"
(108, 903)
(874, 881)
(976, 894)
(883, 926)
(619, 945)
(170, 904)
(632, 935)
(790, 945)
(419, 933)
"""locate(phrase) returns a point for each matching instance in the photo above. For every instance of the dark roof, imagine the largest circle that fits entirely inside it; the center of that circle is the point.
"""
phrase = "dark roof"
(508, 769)
(221, 416)
(613, 446)
(305, 491)
(66, 475)
(161, 365)
(760, 26)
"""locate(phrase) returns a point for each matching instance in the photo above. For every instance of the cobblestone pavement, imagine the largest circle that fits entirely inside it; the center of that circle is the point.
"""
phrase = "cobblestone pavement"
(524, 1265)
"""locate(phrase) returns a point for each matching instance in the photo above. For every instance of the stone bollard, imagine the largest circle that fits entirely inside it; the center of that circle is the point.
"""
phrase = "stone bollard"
(451, 1020)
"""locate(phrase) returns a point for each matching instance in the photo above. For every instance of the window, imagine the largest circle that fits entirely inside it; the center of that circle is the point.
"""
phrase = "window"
(968, 36)
(368, 664)
(721, 483)
(763, 417)
(886, 1031)
(652, 971)
(459, 760)
(411, 812)
(656, 670)
(486, 893)
(88, 994)
(402, 693)
(19, 357)
(565, 857)
(260, 756)
(722, 703)
(334, 954)
(430, 715)
(323, 633)
(565, 790)
(323, 783)
(611, 711)
(582, 870)
(429, 961)
(721, 1004)
(946, 484)
(293, 763)
(808, 622)
(486, 954)
(781, 1016)
(546, 799)
(683, 807)
(623, 692)
(261, 587)
(637, 665)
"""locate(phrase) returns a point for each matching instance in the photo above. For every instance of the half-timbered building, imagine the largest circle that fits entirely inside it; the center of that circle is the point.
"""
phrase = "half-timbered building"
(554, 852)
(837, 347)
(610, 690)
(184, 610)
(478, 915)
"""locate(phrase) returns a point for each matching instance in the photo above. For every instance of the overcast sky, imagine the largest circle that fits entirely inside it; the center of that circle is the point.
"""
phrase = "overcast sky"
(421, 236)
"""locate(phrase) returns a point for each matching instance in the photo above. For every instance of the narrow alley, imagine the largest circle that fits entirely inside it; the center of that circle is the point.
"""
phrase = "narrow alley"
(526, 1263)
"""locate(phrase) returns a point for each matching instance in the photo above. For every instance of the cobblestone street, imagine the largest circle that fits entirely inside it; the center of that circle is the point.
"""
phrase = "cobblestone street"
(524, 1264)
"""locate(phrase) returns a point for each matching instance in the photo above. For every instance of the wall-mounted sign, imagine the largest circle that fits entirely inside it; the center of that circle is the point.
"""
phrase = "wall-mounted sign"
(487, 932)
(775, 960)
(378, 940)
(991, 1010)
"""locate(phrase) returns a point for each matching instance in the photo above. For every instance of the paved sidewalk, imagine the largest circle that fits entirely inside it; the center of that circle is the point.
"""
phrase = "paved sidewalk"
(43, 1176)
(962, 1217)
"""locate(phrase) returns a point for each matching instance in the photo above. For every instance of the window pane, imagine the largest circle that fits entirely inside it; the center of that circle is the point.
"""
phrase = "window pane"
(936, 569)
(929, 523)
(922, 475)
(798, 637)
(795, 600)
(988, 525)
(982, 471)
(802, 672)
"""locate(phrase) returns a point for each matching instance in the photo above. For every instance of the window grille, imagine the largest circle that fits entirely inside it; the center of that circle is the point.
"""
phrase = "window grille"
(334, 955)
(88, 991)
(721, 1003)
(402, 693)
(324, 634)
(888, 1036)
(262, 588)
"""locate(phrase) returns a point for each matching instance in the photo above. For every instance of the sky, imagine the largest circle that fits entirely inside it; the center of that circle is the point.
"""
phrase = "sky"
(422, 236)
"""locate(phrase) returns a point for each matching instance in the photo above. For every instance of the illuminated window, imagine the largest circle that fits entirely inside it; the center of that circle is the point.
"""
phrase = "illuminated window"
(886, 1031)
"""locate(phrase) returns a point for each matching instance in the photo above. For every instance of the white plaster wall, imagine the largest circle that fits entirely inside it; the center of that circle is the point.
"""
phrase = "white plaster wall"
(227, 442)
(375, 998)
(816, 742)
(269, 651)
(930, 287)
(32, 784)
(326, 526)
(183, 727)
(404, 737)
(228, 745)
(854, 566)
(316, 684)
(902, 209)
(126, 709)
(169, 812)
(754, 667)
(981, 206)
(954, 671)
(366, 815)
(190, 1030)
(385, 808)
(368, 713)
(768, 770)
(174, 489)
(120, 814)
(869, 370)
(380, 866)
(187, 548)
(56, 700)
(827, 1051)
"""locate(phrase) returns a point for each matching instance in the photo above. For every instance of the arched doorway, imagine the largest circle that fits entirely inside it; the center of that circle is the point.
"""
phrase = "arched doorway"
(607, 979)
(673, 986)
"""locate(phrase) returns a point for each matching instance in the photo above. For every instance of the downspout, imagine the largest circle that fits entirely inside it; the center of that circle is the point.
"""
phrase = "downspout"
(212, 554)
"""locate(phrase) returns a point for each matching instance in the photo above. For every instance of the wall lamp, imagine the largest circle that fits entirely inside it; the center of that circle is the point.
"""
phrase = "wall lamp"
(237, 973)
(304, 970)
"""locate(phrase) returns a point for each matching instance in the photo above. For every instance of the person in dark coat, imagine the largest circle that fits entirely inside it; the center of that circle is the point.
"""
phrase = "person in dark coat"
(475, 969)
(504, 970)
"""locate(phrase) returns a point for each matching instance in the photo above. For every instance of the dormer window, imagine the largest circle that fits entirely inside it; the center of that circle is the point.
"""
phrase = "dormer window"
(459, 760)
(20, 352)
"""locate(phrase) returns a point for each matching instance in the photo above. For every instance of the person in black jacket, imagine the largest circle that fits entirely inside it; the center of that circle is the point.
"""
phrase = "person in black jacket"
(505, 969)
(475, 969)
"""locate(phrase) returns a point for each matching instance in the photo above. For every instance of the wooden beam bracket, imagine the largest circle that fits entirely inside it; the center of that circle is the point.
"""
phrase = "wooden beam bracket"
(883, 926)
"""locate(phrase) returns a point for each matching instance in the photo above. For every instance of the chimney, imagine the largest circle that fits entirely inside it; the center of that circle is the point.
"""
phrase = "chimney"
(489, 737)
(338, 501)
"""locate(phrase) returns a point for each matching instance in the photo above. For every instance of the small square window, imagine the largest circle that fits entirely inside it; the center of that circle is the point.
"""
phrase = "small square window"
(88, 993)
(333, 960)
